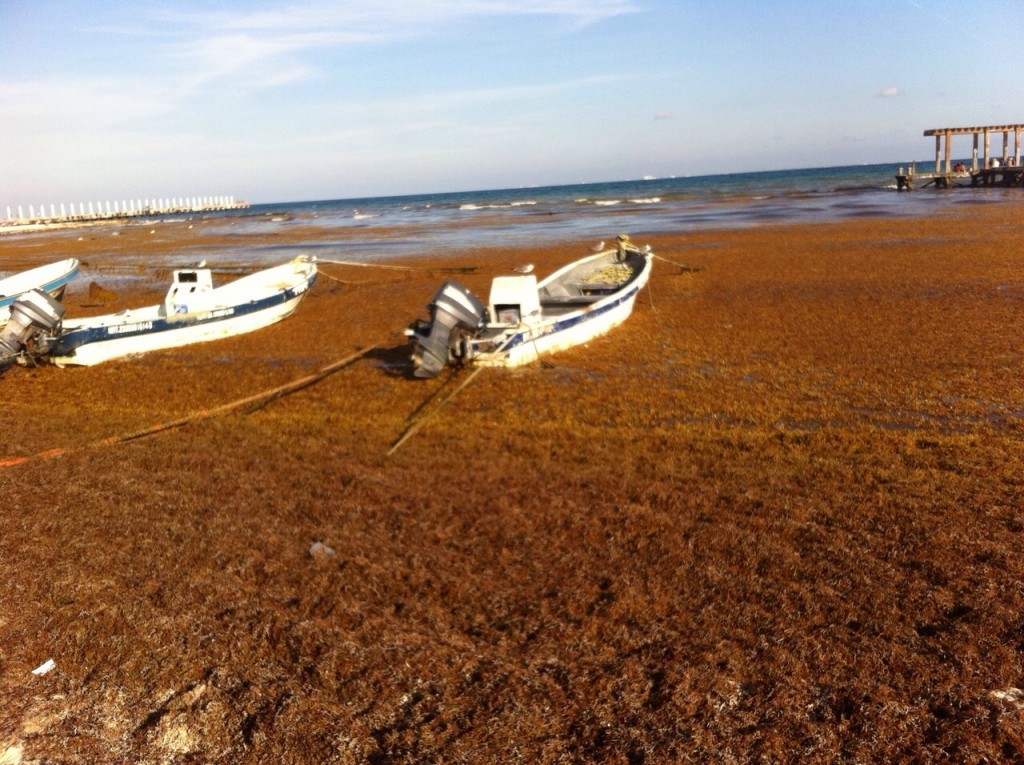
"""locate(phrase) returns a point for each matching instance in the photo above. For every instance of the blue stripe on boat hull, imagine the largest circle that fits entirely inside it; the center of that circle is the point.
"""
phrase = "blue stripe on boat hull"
(76, 338)
(50, 287)
(567, 323)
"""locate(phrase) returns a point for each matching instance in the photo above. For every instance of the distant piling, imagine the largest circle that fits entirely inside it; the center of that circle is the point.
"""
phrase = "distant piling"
(85, 212)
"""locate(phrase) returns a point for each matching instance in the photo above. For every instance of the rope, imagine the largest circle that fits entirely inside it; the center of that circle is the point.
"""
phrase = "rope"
(673, 263)
(391, 267)
(321, 272)
(256, 401)
(415, 425)
(542, 361)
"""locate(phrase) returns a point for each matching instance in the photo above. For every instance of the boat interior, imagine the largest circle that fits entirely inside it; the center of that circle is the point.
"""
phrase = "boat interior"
(585, 287)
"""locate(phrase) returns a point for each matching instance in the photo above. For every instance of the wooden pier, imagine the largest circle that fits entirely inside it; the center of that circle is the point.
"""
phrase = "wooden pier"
(1005, 170)
(117, 210)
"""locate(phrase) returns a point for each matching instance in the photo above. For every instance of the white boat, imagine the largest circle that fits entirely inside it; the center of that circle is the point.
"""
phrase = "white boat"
(525, 319)
(51, 278)
(194, 311)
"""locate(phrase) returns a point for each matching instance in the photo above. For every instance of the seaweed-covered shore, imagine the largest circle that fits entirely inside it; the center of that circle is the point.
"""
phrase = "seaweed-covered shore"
(777, 516)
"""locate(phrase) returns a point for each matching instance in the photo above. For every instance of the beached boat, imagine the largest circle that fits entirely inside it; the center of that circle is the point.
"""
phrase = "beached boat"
(194, 311)
(525, 319)
(51, 278)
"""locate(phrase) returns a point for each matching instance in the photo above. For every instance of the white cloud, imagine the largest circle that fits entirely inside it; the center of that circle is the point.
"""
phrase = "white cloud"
(256, 47)
(179, 76)
(256, 51)
(92, 102)
(375, 19)
(890, 92)
(447, 100)
(320, 24)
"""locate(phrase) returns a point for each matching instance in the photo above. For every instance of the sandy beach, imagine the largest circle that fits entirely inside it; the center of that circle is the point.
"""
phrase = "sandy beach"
(776, 516)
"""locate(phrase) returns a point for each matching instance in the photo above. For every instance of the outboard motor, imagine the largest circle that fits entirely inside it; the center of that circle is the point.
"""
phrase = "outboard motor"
(34, 326)
(455, 315)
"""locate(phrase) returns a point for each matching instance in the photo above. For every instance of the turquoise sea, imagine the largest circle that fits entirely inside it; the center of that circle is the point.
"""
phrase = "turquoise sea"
(379, 228)
(375, 227)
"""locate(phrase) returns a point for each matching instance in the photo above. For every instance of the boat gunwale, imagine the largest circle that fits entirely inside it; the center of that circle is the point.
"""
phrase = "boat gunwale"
(65, 270)
(150, 321)
(510, 336)
(153, 312)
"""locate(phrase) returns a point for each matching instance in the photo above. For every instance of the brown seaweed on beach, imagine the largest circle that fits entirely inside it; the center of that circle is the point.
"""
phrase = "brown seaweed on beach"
(775, 516)
(100, 295)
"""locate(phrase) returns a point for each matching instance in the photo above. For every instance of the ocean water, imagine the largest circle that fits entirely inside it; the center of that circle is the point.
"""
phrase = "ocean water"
(376, 227)
(379, 228)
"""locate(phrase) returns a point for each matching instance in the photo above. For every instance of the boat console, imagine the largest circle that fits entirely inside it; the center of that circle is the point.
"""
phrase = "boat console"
(187, 292)
(514, 300)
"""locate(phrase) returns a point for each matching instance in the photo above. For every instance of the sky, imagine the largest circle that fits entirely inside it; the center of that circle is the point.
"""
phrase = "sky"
(294, 100)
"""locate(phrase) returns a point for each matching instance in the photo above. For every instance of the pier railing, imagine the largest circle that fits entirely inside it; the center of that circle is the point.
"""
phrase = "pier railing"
(115, 210)
(992, 171)
(1007, 176)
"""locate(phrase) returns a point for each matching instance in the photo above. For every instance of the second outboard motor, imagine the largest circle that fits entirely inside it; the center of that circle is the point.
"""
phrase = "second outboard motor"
(34, 326)
(454, 313)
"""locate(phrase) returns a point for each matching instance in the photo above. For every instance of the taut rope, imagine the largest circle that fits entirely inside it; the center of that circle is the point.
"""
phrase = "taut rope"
(258, 400)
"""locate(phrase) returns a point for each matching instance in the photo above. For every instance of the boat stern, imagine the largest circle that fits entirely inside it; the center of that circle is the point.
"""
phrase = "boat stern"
(33, 328)
(456, 314)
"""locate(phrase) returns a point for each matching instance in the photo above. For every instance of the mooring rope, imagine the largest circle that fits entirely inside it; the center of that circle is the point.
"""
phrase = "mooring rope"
(415, 423)
(687, 269)
(421, 421)
(394, 267)
(320, 272)
(257, 400)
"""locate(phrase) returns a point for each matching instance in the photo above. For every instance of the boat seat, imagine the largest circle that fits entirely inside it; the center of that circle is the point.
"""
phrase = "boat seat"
(566, 300)
(602, 287)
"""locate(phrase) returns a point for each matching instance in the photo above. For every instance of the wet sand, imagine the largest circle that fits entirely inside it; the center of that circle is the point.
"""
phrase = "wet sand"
(776, 515)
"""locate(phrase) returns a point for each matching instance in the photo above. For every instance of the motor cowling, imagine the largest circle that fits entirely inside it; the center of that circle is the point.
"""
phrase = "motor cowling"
(34, 325)
(455, 315)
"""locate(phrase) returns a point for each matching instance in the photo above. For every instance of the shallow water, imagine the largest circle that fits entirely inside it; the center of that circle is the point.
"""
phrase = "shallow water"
(375, 228)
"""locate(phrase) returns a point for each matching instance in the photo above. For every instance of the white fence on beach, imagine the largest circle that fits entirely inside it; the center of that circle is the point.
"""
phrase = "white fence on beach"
(126, 208)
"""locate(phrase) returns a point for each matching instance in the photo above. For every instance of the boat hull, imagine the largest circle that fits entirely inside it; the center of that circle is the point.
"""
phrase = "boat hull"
(101, 339)
(529, 344)
(52, 278)
(524, 319)
(525, 343)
